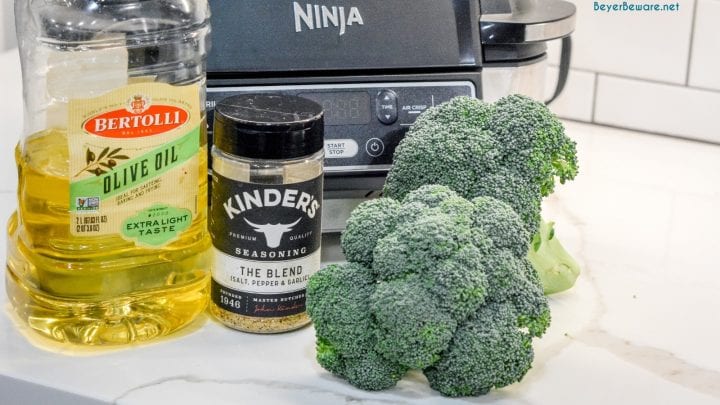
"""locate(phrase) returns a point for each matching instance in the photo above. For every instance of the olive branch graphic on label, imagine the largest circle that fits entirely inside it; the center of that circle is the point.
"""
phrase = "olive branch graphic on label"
(100, 164)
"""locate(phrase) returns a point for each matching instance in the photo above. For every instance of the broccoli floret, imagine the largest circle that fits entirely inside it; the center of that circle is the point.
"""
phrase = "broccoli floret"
(447, 271)
(372, 372)
(371, 221)
(556, 268)
(489, 351)
(416, 246)
(513, 150)
(502, 224)
(512, 280)
(460, 283)
(524, 197)
(520, 123)
(338, 302)
(412, 329)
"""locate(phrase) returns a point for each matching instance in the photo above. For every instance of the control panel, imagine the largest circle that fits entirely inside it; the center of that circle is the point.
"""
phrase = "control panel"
(364, 122)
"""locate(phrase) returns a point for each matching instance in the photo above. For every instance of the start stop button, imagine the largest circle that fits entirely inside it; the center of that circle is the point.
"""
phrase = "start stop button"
(340, 148)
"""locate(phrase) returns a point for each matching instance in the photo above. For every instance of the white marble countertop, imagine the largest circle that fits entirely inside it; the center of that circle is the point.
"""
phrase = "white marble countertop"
(640, 327)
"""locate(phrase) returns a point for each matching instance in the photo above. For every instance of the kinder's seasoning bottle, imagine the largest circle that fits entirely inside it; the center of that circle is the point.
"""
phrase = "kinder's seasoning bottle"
(265, 210)
(109, 242)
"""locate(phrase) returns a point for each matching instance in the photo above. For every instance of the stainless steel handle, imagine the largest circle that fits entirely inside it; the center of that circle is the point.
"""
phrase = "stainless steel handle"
(527, 21)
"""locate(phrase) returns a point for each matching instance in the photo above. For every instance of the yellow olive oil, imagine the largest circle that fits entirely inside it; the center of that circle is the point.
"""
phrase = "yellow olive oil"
(102, 289)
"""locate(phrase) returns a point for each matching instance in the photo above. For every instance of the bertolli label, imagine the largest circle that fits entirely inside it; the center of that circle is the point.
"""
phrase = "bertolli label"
(134, 162)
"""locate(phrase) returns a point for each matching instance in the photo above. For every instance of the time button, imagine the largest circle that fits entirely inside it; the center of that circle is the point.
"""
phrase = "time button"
(386, 107)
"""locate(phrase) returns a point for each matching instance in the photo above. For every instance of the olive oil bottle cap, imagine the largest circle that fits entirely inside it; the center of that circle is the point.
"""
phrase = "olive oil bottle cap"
(264, 126)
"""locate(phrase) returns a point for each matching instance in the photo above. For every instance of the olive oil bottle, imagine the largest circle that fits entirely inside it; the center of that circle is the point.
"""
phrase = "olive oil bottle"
(109, 243)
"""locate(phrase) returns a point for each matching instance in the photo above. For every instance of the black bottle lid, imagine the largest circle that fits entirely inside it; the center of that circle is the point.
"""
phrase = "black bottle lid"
(264, 126)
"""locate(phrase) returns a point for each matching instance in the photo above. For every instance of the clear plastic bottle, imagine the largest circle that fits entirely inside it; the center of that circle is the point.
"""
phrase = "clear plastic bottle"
(109, 244)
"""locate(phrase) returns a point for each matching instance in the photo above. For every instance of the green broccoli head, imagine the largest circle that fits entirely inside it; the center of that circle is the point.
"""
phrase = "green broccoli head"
(488, 351)
(513, 150)
(443, 269)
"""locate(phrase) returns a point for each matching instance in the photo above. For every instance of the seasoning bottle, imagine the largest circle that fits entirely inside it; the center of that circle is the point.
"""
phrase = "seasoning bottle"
(109, 244)
(265, 210)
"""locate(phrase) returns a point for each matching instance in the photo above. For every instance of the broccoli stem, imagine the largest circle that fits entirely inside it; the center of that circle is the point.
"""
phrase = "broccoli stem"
(558, 271)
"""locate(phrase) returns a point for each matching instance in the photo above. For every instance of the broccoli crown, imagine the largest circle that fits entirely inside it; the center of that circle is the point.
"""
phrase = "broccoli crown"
(443, 269)
(512, 150)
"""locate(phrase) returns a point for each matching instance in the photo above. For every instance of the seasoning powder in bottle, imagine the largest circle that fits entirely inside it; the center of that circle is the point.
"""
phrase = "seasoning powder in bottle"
(265, 210)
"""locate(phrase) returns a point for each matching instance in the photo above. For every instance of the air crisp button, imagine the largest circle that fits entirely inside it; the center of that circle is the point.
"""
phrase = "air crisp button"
(340, 148)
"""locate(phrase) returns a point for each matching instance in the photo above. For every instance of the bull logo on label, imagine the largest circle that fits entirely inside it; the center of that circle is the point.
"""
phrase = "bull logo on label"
(273, 232)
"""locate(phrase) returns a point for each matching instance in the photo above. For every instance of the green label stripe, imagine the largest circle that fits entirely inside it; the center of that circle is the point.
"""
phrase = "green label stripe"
(135, 171)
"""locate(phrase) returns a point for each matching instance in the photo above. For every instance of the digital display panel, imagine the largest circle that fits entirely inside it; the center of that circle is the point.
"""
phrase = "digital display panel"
(343, 108)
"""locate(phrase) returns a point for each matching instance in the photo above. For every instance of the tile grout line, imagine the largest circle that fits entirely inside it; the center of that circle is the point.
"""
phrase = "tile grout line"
(649, 81)
(692, 40)
(595, 96)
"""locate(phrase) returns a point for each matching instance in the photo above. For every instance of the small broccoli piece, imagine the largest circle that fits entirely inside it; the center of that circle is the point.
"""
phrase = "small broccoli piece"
(329, 357)
(489, 351)
(370, 221)
(412, 329)
(337, 299)
(556, 268)
(338, 302)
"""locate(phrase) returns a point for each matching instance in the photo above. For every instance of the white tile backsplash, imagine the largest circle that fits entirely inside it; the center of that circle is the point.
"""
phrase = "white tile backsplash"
(576, 100)
(656, 71)
(646, 45)
(660, 108)
(705, 61)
